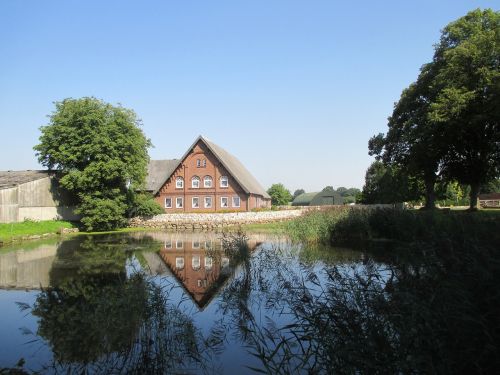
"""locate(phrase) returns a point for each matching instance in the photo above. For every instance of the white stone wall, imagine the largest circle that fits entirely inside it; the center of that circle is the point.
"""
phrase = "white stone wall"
(213, 220)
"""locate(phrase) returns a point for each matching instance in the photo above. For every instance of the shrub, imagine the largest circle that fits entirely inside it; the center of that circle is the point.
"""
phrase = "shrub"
(144, 205)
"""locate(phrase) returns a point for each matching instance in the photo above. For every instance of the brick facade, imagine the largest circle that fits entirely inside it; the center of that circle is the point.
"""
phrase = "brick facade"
(211, 193)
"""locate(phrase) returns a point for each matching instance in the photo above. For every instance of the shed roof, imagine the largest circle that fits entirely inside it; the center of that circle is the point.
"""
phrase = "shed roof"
(304, 199)
(9, 179)
(489, 196)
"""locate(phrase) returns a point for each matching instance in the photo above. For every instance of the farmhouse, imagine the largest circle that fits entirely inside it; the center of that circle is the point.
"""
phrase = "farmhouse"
(206, 179)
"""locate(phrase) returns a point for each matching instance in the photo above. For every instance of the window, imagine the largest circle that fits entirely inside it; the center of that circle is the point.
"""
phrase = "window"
(196, 244)
(168, 244)
(224, 202)
(208, 202)
(195, 182)
(179, 244)
(168, 202)
(207, 182)
(208, 263)
(179, 202)
(179, 183)
(179, 262)
(224, 182)
(236, 201)
(195, 203)
(195, 262)
(224, 262)
(204, 162)
(198, 163)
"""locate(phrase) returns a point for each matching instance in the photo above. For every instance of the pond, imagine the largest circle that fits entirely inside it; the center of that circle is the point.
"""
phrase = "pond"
(156, 302)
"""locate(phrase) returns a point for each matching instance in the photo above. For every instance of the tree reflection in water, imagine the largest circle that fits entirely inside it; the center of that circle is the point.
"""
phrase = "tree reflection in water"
(97, 319)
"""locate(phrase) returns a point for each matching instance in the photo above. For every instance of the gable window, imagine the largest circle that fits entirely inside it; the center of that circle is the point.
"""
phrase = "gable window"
(204, 162)
(195, 182)
(179, 183)
(198, 163)
(208, 202)
(224, 182)
(168, 202)
(207, 181)
(224, 202)
(236, 202)
(179, 202)
(195, 202)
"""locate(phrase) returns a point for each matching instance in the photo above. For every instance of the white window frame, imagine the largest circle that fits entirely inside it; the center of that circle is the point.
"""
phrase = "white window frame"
(196, 262)
(168, 244)
(205, 202)
(224, 179)
(197, 204)
(195, 244)
(193, 180)
(179, 263)
(179, 183)
(177, 205)
(179, 244)
(208, 179)
(209, 263)
(171, 203)
(239, 201)
(227, 202)
(198, 163)
(204, 163)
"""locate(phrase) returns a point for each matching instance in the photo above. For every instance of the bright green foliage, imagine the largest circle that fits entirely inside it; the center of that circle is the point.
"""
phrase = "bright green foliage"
(145, 205)
(280, 195)
(101, 153)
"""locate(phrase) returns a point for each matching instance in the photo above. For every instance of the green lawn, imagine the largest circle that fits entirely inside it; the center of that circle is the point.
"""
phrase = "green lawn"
(11, 231)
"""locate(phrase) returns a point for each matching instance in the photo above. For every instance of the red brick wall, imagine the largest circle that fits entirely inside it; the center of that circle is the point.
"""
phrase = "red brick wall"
(214, 169)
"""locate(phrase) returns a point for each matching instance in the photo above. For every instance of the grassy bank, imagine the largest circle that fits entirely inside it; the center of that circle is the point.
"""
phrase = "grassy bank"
(347, 226)
(15, 231)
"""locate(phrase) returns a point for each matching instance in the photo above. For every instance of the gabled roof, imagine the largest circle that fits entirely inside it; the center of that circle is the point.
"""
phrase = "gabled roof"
(237, 170)
(9, 179)
(158, 172)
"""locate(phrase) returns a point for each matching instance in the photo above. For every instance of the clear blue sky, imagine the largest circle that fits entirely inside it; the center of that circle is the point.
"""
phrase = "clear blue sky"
(294, 89)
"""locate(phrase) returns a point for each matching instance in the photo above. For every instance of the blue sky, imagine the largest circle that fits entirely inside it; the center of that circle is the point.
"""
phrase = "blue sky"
(294, 89)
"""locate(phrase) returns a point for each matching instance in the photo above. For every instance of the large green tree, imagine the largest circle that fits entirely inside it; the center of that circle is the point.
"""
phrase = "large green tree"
(101, 154)
(280, 195)
(468, 102)
(446, 124)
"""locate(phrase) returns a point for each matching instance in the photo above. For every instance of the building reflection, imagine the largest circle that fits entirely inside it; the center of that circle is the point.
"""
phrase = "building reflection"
(199, 263)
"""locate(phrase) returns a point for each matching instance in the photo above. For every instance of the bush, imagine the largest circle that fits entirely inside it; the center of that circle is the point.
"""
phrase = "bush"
(102, 214)
(144, 205)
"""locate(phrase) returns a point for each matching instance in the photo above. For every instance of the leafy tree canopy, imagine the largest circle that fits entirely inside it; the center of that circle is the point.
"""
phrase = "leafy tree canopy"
(297, 193)
(101, 153)
(280, 195)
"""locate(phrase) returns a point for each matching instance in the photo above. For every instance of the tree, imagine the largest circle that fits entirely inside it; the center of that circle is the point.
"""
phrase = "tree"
(101, 154)
(279, 195)
(297, 193)
(467, 104)
(385, 184)
(329, 189)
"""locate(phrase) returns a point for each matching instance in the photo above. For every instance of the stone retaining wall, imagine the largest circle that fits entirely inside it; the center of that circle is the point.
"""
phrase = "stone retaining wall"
(212, 221)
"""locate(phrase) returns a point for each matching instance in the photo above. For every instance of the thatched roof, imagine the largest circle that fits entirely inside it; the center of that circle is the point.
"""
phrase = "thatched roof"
(9, 179)
(160, 170)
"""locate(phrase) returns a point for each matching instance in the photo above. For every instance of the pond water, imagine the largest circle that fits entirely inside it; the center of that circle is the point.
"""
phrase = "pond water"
(162, 303)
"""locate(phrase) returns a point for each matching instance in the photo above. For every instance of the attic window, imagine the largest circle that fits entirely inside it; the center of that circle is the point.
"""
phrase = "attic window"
(224, 182)
(204, 162)
(198, 163)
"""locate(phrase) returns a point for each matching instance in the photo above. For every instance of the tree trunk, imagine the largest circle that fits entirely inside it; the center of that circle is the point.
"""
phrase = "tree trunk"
(430, 196)
(474, 192)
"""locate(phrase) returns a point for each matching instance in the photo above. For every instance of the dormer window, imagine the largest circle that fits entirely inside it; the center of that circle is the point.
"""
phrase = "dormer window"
(179, 183)
(207, 181)
(195, 182)
(224, 182)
